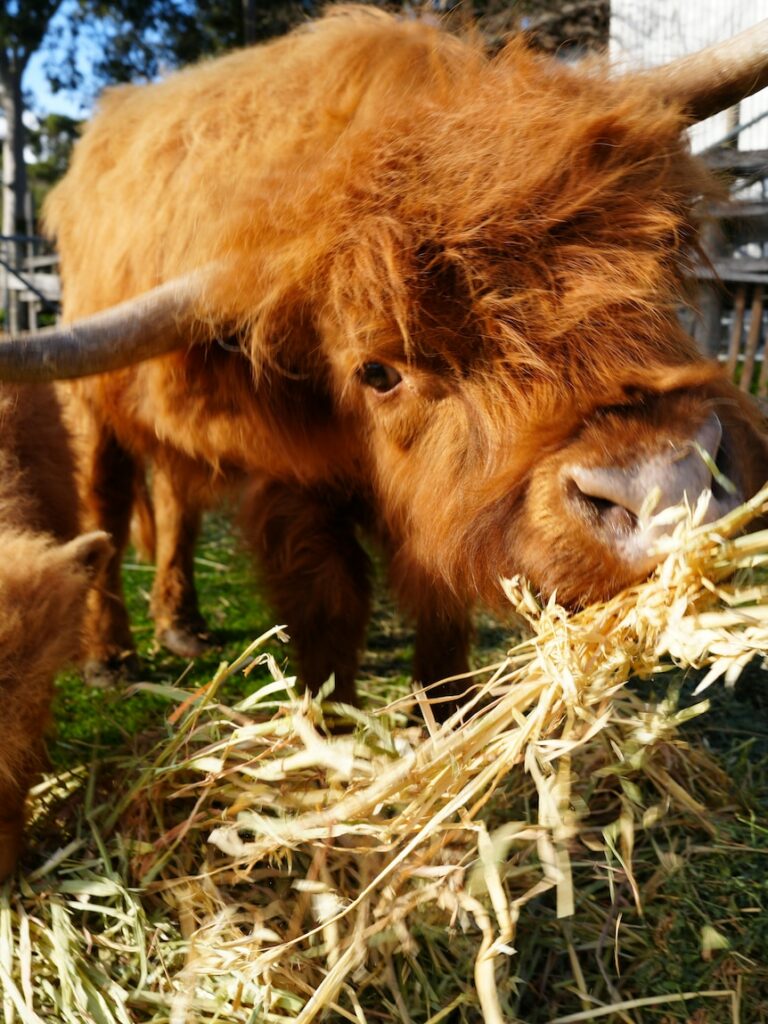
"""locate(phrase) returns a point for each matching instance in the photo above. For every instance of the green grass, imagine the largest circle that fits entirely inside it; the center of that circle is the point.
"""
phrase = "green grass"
(236, 613)
(703, 885)
(700, 888)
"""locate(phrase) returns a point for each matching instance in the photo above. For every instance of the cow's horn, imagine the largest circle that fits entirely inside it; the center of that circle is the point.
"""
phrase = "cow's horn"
(715, 78)
(146, 326)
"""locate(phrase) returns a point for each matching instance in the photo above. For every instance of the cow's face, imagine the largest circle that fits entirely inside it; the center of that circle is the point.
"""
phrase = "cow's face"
(480, 259)
(585, 527)
(504, 316)
(487, 469)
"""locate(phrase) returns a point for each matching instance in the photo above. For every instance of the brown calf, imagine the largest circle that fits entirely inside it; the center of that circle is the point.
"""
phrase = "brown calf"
(46, 570)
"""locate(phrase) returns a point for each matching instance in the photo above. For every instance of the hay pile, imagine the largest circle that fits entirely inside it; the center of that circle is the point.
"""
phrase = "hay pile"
(265, 865)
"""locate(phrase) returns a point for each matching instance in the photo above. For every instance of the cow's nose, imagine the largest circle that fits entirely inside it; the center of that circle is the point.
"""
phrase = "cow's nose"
(619, 501)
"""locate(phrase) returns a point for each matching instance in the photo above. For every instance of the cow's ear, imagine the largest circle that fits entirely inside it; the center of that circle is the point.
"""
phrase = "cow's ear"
(90, 552)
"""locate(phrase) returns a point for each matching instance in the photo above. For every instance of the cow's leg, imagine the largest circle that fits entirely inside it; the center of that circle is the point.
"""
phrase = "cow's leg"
(317, 577)
(108, 475)
(179, 626)
(12, 798)
(441, 651)
(443, 635)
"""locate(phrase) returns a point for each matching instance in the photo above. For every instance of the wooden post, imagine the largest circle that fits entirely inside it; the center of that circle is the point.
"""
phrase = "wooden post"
(708, 328)
(753, 338)
(762, 384)
(710, 296)
(739, 304)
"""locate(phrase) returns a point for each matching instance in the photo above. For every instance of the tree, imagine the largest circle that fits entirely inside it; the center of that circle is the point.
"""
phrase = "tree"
(50, 143)
(141, 38)
(135, 38)
(22, 29)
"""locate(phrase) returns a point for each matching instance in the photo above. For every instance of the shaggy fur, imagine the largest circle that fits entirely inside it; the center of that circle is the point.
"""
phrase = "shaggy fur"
(508, 233)
(44, 577)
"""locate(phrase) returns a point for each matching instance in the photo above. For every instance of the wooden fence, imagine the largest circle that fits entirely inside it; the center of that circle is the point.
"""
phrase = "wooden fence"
(31, 289)
(732, 296)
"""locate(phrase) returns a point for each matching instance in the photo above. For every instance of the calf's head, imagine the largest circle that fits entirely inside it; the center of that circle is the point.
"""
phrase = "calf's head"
(43, 588)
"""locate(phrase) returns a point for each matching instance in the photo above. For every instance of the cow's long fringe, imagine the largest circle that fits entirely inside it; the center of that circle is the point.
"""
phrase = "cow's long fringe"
(351, 167)
(264, 867)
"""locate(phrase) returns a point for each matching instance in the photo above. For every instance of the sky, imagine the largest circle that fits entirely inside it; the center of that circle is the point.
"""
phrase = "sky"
(44, 101)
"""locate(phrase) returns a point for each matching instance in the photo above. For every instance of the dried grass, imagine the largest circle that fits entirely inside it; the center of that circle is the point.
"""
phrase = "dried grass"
(278, 858)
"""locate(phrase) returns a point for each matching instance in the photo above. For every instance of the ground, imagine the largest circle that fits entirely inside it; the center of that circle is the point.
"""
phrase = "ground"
(704, 927)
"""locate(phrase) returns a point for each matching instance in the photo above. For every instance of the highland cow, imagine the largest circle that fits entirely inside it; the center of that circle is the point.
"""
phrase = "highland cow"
(404, 287)
(46, 571)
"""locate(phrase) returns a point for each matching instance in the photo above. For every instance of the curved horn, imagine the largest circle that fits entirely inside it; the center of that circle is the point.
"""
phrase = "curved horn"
(146, 326)
(715, 78)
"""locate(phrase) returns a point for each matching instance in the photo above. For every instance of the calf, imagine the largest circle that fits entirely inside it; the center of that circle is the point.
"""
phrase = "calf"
(46, 571)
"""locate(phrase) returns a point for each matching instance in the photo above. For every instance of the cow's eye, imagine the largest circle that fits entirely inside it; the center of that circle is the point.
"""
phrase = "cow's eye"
(379, 376)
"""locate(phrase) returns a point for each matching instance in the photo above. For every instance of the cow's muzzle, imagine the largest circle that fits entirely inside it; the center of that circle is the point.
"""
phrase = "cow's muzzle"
(622, 504)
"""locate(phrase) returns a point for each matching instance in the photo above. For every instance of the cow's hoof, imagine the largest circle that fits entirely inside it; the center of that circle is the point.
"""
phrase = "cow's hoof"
(110, 673)
(186, 643)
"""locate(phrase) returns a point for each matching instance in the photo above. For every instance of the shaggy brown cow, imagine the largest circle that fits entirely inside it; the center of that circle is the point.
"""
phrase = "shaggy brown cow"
(45, 572)
(446, 289)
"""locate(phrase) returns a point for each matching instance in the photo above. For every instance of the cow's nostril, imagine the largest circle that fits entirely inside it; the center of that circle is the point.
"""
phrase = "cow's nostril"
(681, 471)
(709, 436)
(723, 487)
(605, 509)
(615, 517)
